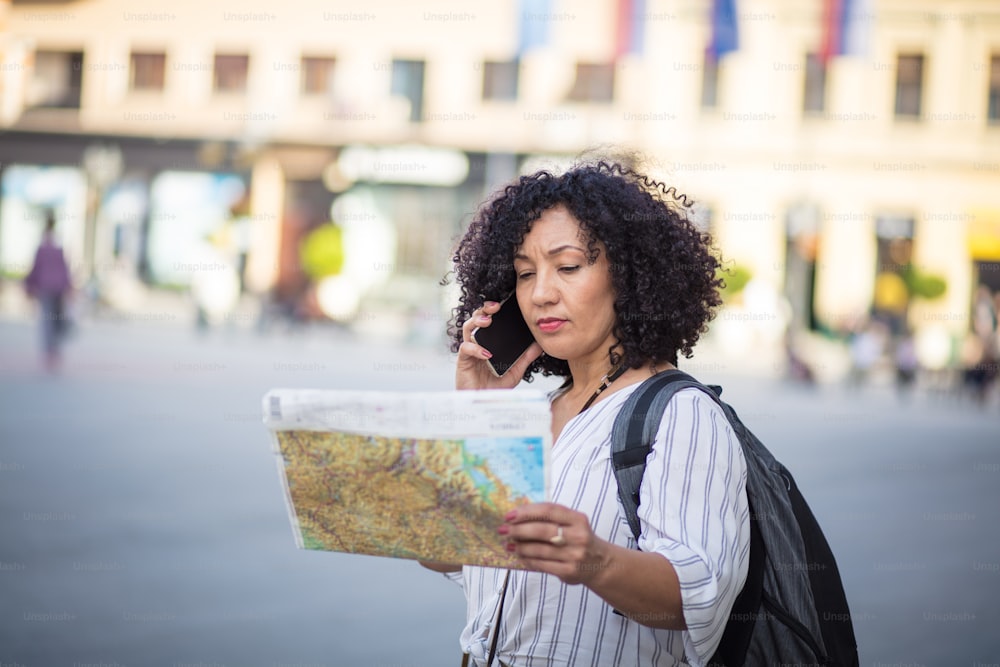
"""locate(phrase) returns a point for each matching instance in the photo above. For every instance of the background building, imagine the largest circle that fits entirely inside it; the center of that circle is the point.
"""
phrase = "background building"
(850, 168)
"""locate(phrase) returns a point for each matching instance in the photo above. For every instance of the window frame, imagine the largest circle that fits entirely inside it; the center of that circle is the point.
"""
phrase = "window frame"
(910, 92)
(216, 70)
(134, 71)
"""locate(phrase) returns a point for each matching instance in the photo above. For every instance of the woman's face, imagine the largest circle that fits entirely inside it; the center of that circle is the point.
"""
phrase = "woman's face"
(567, 301)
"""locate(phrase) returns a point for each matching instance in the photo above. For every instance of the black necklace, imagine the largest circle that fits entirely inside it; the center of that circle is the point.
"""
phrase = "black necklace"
(608, 379)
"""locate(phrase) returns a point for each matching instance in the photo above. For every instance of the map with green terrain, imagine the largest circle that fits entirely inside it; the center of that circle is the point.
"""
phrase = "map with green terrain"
(427, 499)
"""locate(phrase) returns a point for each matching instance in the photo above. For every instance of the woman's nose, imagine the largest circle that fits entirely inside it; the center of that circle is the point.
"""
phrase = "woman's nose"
(544, 290)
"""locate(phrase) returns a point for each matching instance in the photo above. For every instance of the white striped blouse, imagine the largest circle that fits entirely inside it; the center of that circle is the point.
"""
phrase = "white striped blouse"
(693, 510)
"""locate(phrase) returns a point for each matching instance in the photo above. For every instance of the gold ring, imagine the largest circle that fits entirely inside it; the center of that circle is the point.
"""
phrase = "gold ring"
(558, 538)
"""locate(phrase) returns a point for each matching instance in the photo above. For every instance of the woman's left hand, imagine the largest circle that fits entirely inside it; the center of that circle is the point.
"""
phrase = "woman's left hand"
(557, 540)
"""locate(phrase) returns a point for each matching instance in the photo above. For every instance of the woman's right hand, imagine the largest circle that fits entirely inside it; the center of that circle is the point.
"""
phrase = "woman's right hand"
(472, 370)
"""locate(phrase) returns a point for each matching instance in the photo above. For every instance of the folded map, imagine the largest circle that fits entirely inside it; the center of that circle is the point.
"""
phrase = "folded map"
(425, 476)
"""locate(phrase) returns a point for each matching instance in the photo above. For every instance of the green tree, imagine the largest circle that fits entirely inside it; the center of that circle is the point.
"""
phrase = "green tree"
(322, 252)
(924, 285)
(736, 278)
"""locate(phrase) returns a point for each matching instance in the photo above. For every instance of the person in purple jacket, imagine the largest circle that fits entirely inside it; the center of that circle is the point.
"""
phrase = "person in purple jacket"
(49, 283)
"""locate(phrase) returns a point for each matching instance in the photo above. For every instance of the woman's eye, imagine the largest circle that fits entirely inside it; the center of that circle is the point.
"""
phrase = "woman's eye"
(524, 276)
(569, 269)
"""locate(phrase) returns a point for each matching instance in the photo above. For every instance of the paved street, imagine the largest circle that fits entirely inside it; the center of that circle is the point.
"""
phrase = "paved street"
(142, 519)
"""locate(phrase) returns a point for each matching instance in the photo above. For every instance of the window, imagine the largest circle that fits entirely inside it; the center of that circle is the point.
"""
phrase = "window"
(500, 80)
(317, 75)
(710, 82)
(57, 80)
(147, 71)
(909, 85)
(408, 82)
(594, 83)
(993, 95)
(231, 73)
(814, 93)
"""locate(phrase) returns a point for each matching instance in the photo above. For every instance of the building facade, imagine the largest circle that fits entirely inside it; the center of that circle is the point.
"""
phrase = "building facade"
(838, 182)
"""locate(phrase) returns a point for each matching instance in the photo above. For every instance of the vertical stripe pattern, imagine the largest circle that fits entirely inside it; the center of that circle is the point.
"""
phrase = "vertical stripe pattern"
(693, 511)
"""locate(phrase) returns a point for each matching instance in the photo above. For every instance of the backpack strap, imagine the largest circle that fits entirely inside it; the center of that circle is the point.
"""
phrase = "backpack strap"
(632, 439)
(635, 429)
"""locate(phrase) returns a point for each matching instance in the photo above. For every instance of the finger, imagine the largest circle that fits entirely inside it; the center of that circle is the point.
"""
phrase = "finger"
(471, 349)
(488, 308)
(539, 552)
(540, 558)
(536, 531)
(478, 320)
(544, 512)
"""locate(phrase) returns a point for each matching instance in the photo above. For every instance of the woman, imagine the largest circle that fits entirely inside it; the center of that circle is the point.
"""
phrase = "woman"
(613, 282)
(49, 282)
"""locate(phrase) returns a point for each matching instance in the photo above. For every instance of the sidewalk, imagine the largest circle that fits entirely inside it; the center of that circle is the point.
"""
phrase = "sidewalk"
(726, 349)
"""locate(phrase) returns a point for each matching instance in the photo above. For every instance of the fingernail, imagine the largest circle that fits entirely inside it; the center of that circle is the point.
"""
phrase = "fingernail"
(504, 529)
(511, 547)
(490, 303)
(487, 354)
(511, 515)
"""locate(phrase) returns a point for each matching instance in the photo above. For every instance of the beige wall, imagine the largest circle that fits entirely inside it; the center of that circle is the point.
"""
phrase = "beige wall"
(750, 158)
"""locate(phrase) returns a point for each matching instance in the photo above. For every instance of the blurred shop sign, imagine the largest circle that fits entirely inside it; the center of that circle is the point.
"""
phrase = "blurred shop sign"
(415, 165)
(894, 227)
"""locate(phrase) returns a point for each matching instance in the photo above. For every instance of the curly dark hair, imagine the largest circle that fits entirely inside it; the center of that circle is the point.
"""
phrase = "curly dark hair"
(663, 270)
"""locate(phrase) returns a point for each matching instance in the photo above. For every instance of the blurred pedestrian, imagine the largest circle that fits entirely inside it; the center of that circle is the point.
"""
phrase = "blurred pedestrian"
(798, 368)
(866, 347)
(907, 363)
(977, 368)
(49, 283)
(981, 353)
(984, 315)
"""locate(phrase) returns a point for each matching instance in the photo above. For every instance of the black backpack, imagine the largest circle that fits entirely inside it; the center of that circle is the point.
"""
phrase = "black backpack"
(792, 609)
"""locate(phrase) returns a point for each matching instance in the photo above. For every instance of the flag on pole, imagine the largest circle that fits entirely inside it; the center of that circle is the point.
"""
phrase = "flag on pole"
(846, 28)
(833, 24)
(630, 35)
(725, 31)
(858, 19)
(533, 24)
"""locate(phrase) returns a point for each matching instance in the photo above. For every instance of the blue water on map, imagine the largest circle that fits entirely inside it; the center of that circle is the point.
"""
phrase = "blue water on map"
(479, 477)
(518, 462)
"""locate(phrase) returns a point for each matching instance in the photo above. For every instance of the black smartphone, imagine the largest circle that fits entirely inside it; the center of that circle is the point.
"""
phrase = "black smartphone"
(507, 337)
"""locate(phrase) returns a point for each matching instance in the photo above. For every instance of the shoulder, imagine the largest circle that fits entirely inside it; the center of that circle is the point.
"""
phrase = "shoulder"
(687, 402)
(693, 416)
(691, 400)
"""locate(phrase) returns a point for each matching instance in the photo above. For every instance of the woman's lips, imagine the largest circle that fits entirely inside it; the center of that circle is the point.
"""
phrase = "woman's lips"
(549, 325)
